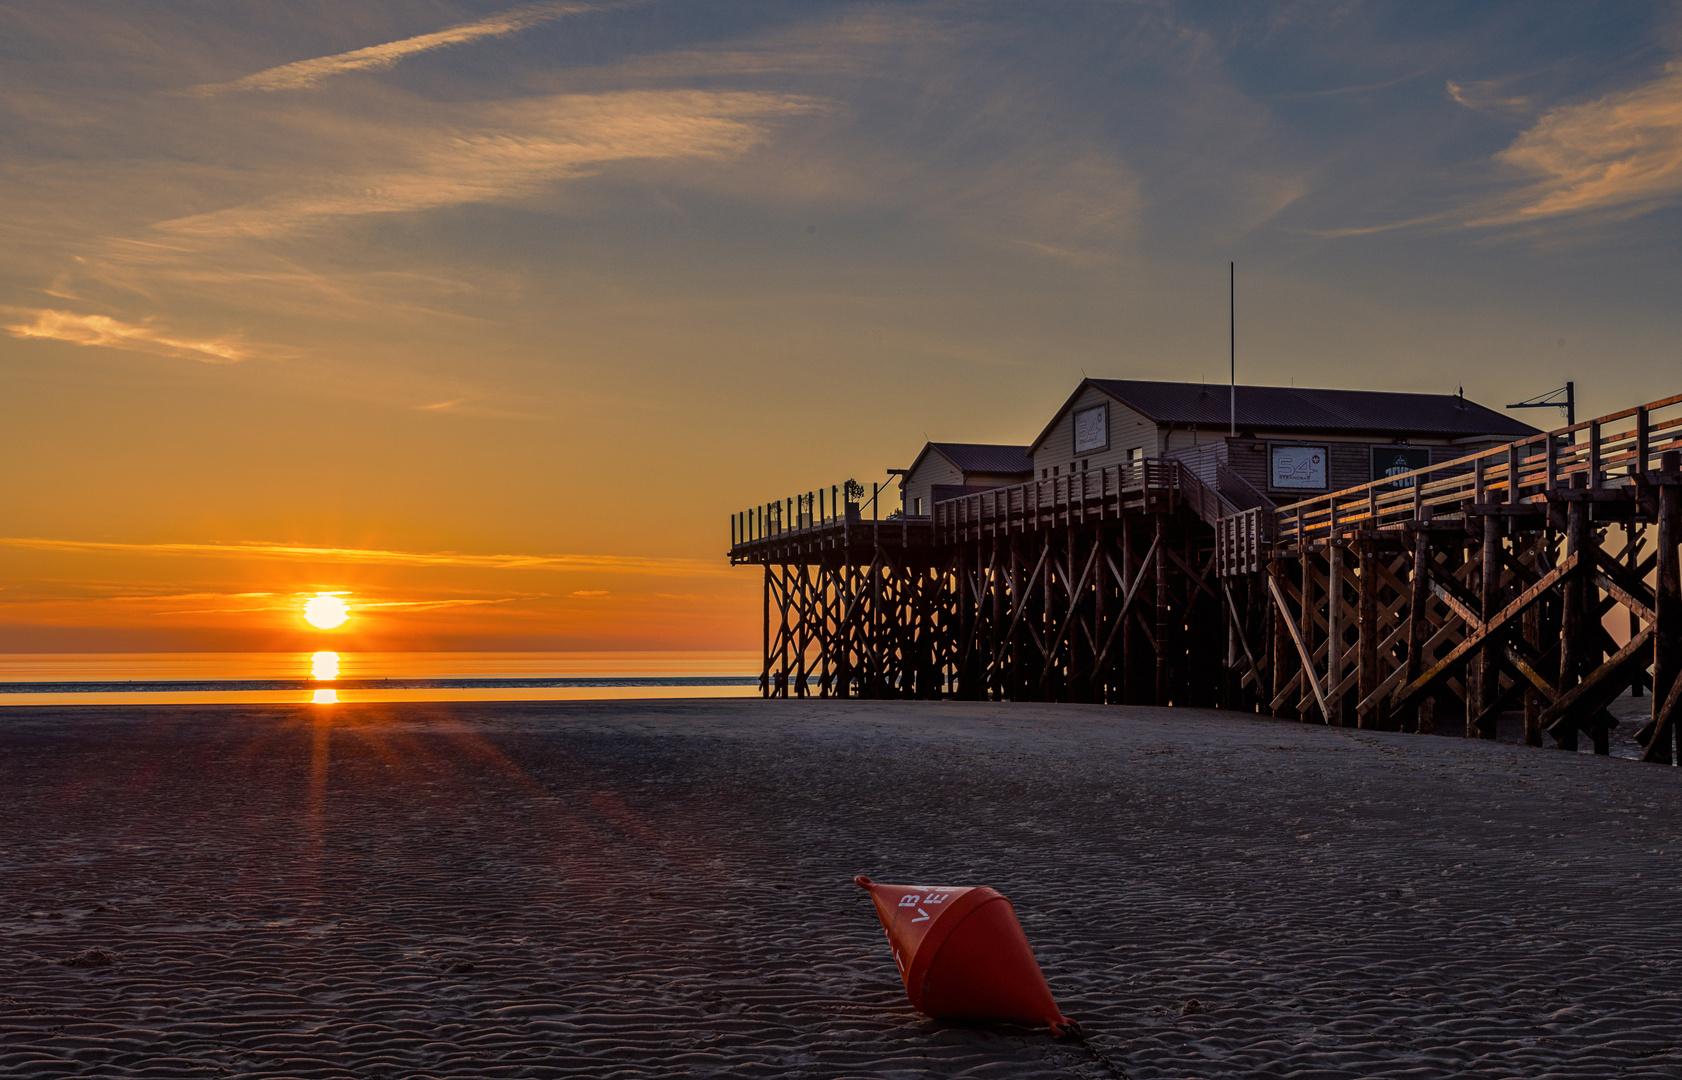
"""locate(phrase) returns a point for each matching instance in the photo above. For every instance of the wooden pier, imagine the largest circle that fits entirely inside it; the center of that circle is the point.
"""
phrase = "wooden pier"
(1539, 576)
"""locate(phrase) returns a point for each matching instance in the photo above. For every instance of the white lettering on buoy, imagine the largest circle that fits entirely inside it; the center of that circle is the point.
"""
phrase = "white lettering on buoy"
(936, 898)
(908, 900)
(922, 913)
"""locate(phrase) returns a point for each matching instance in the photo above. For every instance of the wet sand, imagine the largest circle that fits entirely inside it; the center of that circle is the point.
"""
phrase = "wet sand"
(627, 889)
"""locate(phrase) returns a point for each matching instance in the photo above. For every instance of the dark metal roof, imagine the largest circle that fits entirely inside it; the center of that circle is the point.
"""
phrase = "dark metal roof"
(1305, 409)
(985, 457)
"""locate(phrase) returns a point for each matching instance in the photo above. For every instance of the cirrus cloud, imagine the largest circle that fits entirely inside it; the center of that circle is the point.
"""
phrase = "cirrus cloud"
(1620, 154)
(517, 151)
(303, 74)
(143, 336)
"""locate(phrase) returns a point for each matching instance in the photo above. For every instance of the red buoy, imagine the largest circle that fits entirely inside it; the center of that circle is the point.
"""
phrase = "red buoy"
(963, 955)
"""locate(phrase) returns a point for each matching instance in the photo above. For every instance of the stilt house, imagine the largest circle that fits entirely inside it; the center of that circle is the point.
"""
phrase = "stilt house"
(947, 470)
(1291, 443)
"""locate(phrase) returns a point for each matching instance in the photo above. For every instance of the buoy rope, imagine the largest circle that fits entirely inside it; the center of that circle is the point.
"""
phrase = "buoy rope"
(1078, 1034)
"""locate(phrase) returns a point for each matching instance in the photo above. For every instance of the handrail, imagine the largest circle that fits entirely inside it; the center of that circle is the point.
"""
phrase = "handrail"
(799, 513)
(1070, 497)
(1524, 470)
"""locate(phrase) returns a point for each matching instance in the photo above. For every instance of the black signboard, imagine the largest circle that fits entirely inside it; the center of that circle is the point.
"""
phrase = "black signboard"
(1395, 460)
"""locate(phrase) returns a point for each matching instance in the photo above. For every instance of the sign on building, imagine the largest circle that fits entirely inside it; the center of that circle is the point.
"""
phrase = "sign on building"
(1299, 467)
(1395, 460)
(1092, 429)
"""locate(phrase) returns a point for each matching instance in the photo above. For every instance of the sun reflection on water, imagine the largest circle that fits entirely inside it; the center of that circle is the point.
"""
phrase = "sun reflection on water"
(324, 667)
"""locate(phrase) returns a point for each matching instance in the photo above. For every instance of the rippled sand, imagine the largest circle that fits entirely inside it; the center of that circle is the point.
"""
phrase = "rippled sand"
(663, 889)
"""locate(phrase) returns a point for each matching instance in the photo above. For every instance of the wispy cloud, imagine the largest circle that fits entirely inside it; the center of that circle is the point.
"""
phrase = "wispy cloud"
(1488, 97)
(302, 74)
(145, 336)
(260, 551)
(431, 605)
(1620, 154)
(516, 151)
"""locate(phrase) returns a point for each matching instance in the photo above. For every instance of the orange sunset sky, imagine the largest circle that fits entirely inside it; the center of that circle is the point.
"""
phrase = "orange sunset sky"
(487, 316)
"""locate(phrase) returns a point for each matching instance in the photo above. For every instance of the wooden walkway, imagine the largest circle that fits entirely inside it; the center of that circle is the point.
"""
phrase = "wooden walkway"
(1538, 577)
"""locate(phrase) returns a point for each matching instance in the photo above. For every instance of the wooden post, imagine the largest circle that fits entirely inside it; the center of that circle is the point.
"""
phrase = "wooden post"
(1366, 614)
(804, 611)
(1284, 650)
(1305, 630)
(1594, 455)
(1632, 562)
(1573, 643)
(784, 637)
(1419, 625)
(996, 582)
(1132, 688)
(1100, 626)
(1488, 666)
(1532, 622)
(1334, 626)
(1667, 600)
(1018, 585)
(1231, 674)
(1163, 672)
(1255, 626)
(828, 596)
(765, 650)
(1048, 616)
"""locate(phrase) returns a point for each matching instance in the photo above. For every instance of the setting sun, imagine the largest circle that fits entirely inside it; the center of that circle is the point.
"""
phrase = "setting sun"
(325, 611)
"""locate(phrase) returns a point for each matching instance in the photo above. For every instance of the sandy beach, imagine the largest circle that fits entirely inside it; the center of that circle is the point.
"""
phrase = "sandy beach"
(663, 889)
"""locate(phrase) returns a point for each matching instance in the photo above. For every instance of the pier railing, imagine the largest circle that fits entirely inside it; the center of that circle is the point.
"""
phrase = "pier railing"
(809, 511)
(1605, 454)
(1075, 498)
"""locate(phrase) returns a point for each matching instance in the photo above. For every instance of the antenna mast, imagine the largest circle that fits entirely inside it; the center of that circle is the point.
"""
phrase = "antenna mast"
(1232, 340)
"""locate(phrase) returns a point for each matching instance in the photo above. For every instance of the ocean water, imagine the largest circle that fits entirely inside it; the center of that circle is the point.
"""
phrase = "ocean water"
(332, 677)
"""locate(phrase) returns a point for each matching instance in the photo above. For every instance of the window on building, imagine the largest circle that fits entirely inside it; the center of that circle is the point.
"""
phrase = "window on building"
(1135, 454)
(1084, 462)
(917, 507)
(1054, 470)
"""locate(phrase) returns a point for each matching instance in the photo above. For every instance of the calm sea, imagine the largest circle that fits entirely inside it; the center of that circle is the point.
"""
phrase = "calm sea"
(327, 677)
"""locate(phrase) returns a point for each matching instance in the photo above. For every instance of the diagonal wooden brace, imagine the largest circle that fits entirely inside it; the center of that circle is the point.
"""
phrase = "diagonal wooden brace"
(1662, 723)
(1308, 674)
(1074, 607)
(1021, 607)
(1416, 689)
(1238, 627)
(1126, 603)
(1597, 691)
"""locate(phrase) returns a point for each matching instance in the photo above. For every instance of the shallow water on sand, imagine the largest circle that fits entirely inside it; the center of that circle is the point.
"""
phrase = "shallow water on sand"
(256, 678)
